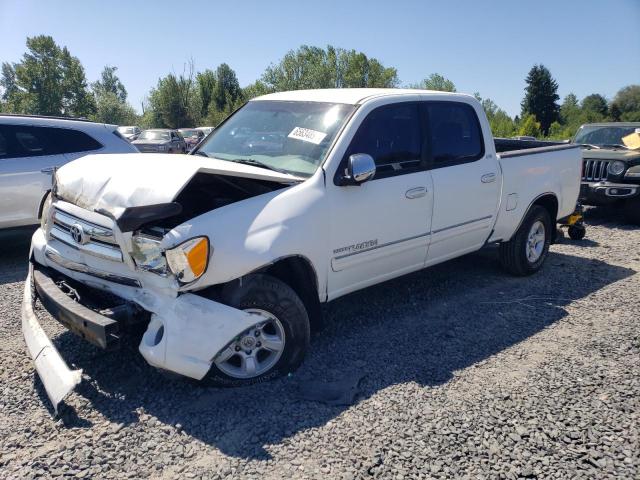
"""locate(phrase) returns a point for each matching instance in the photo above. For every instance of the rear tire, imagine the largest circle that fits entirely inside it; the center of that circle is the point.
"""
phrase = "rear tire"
(525, 253)
(284, 318)
(632, 210)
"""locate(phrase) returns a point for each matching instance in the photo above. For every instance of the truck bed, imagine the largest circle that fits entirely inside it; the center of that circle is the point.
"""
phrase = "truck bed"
(528, 173)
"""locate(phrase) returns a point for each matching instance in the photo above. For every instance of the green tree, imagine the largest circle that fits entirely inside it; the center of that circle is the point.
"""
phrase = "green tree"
(502, 125)
(626, 104)
(530, 126)
(110, 83)
(47, 81)
(596, 103)
(435, 81)
(315, 67)
(111, 109)
(541, 96)
(256, 89)
(227, 90)
(169, 102)
(205, 84)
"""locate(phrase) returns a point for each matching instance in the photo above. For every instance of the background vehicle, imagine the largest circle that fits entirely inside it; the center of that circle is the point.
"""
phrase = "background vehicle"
(129, 132)
(32, 147)
(161, 140)
(228, 253)
(192, 136)
(524, 137)
(206, 130)
(611, 171)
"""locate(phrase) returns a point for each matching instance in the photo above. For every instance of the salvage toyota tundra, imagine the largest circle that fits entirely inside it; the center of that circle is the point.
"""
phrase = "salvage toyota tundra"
(224, 256)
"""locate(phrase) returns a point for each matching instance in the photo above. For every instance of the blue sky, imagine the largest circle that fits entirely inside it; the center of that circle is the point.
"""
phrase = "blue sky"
(484, 46)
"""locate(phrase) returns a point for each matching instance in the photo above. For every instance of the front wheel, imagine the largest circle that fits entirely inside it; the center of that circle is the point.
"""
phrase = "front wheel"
(275, 345)
(525, 253)
(632, 210)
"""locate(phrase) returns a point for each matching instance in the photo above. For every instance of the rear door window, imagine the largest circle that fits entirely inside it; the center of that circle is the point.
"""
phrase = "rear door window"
(28, 141)
(454, 133)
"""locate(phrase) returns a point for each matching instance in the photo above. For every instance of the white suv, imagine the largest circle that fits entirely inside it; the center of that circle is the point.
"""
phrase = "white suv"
(32, 147)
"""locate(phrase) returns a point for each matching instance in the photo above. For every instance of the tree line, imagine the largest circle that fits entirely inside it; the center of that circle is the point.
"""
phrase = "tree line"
(48, 80)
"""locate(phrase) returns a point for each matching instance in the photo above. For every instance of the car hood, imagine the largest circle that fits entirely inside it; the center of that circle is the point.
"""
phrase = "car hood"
(623, 154)
(112, 183)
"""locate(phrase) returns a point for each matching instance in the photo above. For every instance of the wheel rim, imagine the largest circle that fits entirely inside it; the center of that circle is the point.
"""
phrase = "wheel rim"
(535, 242)
(256, 350)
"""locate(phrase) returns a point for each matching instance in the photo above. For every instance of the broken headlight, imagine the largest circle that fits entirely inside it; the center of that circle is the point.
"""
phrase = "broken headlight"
(148, 255)
(189, 260)
(46, 207)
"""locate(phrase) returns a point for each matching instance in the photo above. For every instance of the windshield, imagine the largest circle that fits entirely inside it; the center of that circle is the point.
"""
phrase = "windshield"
(293, 137)
(602, 135)
(125, 129)
(188, 133)
(154, 135)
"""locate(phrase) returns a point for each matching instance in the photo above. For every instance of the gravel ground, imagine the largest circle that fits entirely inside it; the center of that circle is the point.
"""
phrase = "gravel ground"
(469, 373)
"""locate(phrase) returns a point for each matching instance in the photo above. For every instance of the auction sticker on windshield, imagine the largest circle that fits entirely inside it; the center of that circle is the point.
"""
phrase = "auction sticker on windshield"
(307, 135)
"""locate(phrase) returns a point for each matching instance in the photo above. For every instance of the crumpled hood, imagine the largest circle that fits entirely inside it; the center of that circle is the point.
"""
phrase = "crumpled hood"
(115, 182)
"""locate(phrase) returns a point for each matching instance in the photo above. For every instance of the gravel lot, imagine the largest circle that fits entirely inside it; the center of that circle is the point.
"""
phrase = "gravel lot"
(468, 373)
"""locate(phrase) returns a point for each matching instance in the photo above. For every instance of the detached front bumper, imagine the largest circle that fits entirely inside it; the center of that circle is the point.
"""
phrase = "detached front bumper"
(603, 193)
(57, 377)
(183, 335)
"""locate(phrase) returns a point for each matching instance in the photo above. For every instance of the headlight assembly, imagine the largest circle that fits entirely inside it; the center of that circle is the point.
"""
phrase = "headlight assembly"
(46, 208)
(616, 167)
(148, 255)
(189, 260)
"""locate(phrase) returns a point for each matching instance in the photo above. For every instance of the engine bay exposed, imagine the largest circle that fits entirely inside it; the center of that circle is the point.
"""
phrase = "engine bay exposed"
(206, 192)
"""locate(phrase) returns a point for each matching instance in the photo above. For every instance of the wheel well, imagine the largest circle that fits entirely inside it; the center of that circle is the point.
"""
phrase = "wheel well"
(550, 203)
(299, 274)
(42, 200)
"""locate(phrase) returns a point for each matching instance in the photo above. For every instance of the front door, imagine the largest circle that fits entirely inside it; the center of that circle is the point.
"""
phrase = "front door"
(380, 229)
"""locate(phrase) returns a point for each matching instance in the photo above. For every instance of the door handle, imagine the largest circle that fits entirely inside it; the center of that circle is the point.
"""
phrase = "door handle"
(488, 178)
(416, 192)
(48, 170)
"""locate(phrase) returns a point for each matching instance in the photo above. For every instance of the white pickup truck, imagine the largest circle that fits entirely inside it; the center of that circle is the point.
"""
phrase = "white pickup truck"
(224, 256)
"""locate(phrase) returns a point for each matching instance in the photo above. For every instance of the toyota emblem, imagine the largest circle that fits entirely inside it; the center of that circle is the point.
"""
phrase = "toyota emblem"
(77, 233)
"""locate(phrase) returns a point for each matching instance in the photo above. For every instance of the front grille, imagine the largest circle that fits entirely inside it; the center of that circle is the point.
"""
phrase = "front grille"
(594, 170)
(85, 236)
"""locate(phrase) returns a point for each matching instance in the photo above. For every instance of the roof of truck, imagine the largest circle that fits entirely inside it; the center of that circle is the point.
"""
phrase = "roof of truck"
(351, 96)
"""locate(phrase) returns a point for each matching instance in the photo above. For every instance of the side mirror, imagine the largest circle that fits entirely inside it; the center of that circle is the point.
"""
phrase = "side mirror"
(360, 168)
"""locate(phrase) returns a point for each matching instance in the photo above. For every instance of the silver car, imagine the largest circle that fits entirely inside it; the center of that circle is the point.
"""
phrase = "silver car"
(160, 140)
(32, 147)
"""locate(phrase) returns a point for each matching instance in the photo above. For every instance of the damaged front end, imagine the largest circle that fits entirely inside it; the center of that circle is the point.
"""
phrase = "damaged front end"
(102, 269)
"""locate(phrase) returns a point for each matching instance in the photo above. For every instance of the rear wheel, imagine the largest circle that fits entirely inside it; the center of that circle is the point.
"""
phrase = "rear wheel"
(275, 345)
(525, 253)
(632, 210)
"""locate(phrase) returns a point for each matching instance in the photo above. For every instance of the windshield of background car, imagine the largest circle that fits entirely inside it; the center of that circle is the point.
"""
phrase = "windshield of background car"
(290, 136)
(126, 130)
(188, 133)
(154, 135)
(609, 135)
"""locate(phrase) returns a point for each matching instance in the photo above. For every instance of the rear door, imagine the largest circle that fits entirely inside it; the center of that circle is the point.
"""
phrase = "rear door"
(466, 180)
(28, 156)
(380, 229)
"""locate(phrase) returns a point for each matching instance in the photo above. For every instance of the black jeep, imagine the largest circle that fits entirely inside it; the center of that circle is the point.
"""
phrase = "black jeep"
(610, 170)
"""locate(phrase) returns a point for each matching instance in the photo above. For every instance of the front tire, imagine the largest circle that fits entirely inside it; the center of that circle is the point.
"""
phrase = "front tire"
(275, 345)
(632, 210)
(525, 253)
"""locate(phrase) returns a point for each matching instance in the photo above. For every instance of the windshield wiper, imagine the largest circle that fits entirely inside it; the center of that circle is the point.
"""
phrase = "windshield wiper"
(589, 145)
(259, 164)
(613, 145)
